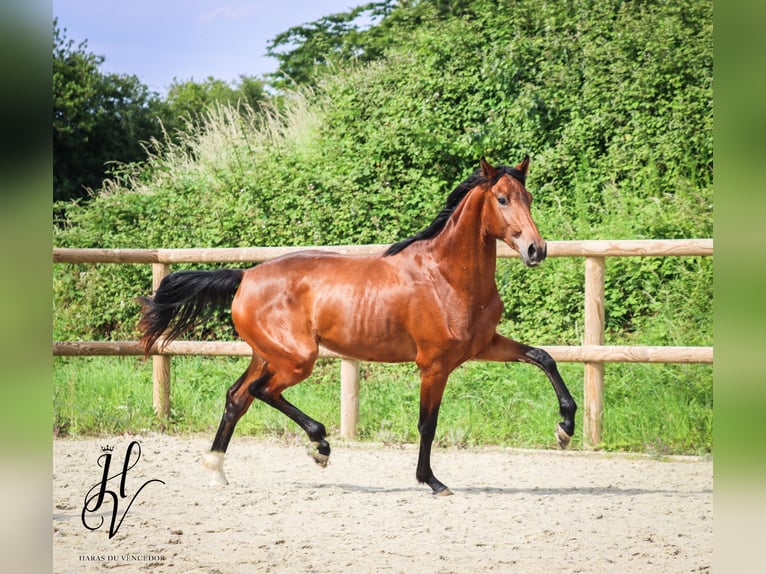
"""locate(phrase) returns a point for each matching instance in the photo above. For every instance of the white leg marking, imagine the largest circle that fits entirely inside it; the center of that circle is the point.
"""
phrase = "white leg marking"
(213, 461)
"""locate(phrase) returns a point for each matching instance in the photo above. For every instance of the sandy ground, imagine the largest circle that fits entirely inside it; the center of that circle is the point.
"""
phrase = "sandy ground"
(512, 511)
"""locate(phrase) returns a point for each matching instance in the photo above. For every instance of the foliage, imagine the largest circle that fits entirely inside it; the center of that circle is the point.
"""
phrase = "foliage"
(186, 100)
(594, 93)
(304, 51)
(363, 34)
(97, 118)
(101, 121)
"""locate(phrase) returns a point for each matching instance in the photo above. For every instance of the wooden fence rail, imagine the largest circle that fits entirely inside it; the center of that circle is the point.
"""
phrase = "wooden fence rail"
(593, 353)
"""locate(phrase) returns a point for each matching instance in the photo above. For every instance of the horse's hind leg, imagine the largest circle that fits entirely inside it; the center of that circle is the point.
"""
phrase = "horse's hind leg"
(238, 400)
(284, 374)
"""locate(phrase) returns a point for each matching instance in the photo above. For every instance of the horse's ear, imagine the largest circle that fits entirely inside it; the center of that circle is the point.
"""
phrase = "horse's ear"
(524, 165)
(487, 170)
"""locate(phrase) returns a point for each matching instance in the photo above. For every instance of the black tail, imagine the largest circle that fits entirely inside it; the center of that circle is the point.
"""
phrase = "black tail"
(184, 298)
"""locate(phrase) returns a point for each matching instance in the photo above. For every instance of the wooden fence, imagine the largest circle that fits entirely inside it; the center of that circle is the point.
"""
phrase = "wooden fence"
(593, 353)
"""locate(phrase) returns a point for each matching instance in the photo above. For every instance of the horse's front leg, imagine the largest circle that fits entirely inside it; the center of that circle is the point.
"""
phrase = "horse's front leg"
(504, 349)
(432, 383)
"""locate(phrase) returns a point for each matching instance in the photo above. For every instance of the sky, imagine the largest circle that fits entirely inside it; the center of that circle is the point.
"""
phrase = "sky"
(159, 40)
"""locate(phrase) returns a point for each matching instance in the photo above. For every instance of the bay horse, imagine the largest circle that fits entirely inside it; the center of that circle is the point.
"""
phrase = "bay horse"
(431, 299)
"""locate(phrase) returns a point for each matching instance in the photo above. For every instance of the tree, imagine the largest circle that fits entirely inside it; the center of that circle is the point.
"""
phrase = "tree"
(304, 51)
(97, 118)
(187, 99)
(361, 35)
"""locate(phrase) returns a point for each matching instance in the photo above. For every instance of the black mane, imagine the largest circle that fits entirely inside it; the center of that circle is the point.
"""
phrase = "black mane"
(453, 200)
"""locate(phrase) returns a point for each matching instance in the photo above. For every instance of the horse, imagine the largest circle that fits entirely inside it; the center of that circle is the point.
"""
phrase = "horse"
(430, 298)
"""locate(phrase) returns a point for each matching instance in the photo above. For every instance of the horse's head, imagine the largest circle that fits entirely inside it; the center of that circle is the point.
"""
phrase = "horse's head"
(506, 211)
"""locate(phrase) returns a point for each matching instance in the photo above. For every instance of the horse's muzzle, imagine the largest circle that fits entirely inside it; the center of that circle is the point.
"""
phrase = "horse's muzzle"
(535, 254)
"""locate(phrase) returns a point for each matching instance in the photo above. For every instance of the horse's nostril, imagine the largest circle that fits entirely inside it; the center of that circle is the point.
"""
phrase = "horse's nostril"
(536, 253)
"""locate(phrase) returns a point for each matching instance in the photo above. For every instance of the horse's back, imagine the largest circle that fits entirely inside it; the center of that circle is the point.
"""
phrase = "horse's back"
(355, 305)
(316, 268)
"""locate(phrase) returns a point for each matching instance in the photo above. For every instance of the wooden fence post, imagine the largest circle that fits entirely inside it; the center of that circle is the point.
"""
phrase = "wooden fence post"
(160, 363)
(349, 398)
(593, 384)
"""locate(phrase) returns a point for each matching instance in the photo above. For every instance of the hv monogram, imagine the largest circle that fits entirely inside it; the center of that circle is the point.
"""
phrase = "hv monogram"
(99, 492)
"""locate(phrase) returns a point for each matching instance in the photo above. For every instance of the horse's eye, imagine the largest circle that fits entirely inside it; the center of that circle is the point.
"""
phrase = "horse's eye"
(502, 200)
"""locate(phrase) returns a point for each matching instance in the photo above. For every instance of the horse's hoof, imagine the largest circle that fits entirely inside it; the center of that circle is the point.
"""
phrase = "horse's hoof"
(213, 462)
(562, 437)
(443, 492)
(218, 479)
(319, 458)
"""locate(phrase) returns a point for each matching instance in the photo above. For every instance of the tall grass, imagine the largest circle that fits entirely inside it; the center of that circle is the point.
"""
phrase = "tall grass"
(659, 409)
(222, 139)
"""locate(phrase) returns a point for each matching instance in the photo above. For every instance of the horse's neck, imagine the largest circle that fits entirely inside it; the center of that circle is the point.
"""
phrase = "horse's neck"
(466, 257)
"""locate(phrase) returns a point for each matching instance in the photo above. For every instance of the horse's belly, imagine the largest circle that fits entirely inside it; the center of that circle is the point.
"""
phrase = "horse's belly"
(382, 351)
(365, 328)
